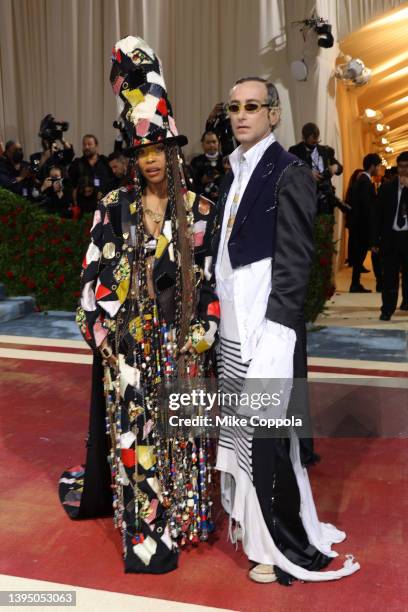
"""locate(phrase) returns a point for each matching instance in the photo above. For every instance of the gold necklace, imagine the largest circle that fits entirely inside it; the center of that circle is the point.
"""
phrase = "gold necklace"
(154, 215)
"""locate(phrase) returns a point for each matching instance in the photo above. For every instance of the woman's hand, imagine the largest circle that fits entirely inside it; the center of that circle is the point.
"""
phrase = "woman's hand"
(188, 347)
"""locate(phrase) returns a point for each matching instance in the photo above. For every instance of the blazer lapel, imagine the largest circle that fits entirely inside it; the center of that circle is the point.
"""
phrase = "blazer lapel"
(224, 191)
(256, 183)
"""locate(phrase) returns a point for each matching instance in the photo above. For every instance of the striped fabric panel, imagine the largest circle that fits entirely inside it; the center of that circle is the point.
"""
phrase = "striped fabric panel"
(231, 374)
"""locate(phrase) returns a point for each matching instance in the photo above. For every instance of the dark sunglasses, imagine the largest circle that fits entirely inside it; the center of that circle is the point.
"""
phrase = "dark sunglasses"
(250, 107)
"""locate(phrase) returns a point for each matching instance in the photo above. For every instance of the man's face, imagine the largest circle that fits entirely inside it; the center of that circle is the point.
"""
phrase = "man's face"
(89, 147)
(403, 169)
(377, 170)
(250, 128)
(118, 167)
(312, 140)
(88, 192)
(14, 148)
(210, 144)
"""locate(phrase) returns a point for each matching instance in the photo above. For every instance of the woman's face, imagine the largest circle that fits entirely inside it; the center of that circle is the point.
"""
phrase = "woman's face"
(152, 163)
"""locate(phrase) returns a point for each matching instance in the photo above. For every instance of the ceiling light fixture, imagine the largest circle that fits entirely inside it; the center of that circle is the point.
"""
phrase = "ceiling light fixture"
(372, 116)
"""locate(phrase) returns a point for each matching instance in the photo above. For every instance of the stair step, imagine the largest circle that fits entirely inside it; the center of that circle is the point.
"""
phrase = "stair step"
(16, 307)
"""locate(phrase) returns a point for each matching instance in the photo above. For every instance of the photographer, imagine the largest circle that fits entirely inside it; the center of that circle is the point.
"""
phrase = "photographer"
(87, 195)
(219, 123)
(321, 159)
(208, 169)
(93, 166)
(58, 193)
(15, 173)
(119, 163)
(55, 150)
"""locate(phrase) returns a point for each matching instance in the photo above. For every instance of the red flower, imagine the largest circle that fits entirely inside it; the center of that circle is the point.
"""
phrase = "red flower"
(4, 219)
(30, 283)
(68, 250)
(55, 240)
(10, 274)
(59, 281)
(76, 294)
(62, 261)
(31, 253)
(30, 237)
(45, 290)
(323, 262)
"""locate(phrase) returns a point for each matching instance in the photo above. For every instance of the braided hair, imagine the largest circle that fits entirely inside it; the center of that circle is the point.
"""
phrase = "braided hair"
(182, 241)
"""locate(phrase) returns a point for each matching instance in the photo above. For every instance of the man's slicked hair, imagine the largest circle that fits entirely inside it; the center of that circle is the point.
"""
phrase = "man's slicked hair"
(310, 129)
(209, 132)
(117, 155)
(372, 159)
(272, 93)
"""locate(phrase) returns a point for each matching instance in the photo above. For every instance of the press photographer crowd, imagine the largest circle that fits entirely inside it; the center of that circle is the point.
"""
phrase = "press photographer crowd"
(68, 186)
(71, 186)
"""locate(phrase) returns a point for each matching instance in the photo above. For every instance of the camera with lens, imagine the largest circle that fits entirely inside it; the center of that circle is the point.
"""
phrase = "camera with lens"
(327, 200)
(211, 172)
(52, 130)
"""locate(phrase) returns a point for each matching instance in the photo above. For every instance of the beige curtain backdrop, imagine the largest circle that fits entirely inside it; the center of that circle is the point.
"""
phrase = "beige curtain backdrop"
(55, 57)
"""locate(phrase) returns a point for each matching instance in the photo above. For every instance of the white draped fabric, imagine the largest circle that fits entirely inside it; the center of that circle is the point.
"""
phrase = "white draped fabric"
(54, 57)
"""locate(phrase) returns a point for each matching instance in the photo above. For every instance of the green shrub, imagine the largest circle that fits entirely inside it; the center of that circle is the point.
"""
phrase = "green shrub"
(321, 282)
(41, 255)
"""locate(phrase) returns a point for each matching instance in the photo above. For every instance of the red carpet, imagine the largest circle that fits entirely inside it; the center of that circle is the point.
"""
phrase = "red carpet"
(360, 486)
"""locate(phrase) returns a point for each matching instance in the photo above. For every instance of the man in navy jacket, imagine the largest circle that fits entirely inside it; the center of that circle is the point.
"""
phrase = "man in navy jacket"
(263, 252)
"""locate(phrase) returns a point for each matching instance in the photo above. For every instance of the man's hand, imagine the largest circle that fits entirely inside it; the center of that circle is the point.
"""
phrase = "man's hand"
(375, 249)
(25, 172)
(46, 184)
(333, 169)
(218, 108)
(317, 176)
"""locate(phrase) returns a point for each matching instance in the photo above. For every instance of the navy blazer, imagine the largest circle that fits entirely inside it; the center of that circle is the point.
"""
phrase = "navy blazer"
(275, 219)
